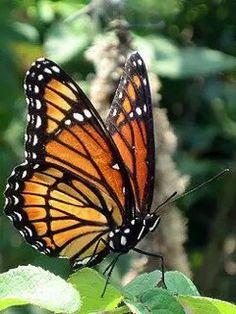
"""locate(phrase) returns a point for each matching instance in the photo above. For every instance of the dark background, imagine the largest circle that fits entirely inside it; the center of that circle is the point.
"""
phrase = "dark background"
(191, 45)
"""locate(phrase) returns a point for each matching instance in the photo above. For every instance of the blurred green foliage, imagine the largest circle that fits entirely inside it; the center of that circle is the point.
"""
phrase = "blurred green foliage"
(192, 46)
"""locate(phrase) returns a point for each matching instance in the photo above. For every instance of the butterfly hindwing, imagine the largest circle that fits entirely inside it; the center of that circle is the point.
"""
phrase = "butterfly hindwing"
(66, 145)
(130, 123)
(56, 212)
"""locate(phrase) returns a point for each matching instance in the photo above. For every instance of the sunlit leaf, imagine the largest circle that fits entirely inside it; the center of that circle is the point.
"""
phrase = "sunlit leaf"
(171, 61)
(201, 305)
(33, 285)
(64, 40)
(90, 285)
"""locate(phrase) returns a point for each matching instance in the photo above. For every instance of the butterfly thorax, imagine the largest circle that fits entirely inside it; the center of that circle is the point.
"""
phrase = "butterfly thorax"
(128, 235)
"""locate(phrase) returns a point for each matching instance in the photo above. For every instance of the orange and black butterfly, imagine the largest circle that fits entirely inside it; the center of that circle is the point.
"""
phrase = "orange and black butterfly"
(85, 188)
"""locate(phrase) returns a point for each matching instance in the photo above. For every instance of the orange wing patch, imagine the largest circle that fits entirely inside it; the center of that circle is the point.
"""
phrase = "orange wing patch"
(133, 150)
(58, 99)
(83, 151)
(65, 214)
(131, 91)
(137, 80)
(127, 105)
(130, 123)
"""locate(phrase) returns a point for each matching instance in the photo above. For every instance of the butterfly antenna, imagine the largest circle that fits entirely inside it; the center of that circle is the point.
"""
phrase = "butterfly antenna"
(172, 196)
(166, 201)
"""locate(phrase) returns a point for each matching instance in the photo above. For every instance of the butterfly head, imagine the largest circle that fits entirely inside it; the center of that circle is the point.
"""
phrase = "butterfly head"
(127, 236)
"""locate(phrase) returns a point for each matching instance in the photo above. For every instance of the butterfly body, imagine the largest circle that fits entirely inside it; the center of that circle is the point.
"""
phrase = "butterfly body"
(123, 239)
(85, 188)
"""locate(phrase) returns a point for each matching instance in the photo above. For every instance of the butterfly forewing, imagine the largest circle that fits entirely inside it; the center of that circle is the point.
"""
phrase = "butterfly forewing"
(130, 123)
(73, 185)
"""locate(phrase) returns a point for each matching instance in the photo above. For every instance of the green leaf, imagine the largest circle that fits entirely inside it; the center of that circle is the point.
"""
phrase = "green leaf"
(189, 62)
(142, 283)
(201, 305)
(90, 284)
(155, 300)
(33, 285)
(178, 283)
(64, 41)
(46, 11)
(168, 60)
(28, 31)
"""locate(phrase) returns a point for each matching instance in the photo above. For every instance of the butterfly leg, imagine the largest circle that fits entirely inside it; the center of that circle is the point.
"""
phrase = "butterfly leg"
(162, 281)
(109, 269)
(95, 249)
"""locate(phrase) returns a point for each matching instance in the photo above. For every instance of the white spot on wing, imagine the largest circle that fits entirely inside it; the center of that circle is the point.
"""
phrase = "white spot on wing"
(9, 215)
(139, 111)
(38, 122)
(68, 122)
(16, 199)
(36, 89)
(22, 233)
(35, 141)
(114, 112)
(116, 166)
(72, 86)
(38, 104)
(40, 77)
(55, 69)
(29, 231)
(140, 62)
(24, 174)
(18, 215)
(39, 243)
(78, 116)
(87, 113)
(47, 70)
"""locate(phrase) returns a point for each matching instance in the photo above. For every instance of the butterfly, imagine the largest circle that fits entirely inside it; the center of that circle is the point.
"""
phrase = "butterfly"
(85, 188)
